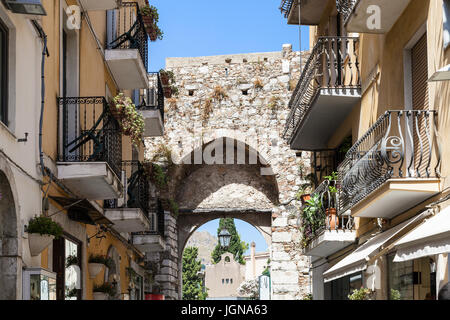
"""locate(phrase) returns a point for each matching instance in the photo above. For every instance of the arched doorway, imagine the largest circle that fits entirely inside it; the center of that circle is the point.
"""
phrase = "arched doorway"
(9, 257)
(234, 185)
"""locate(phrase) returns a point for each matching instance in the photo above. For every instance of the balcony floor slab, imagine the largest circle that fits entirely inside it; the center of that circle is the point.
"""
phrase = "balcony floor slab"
(329, 242)
(127, 68)
(90, 180)
(396, 196)
(128, 219)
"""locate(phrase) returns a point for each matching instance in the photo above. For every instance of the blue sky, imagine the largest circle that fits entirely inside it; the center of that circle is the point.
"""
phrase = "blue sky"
(209, 27)
(247, 232)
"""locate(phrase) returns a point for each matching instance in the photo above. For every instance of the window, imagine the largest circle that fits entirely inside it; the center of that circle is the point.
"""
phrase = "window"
(3, 73)
(400, 279)
(446, 23)
(67, 265)
(191, 93)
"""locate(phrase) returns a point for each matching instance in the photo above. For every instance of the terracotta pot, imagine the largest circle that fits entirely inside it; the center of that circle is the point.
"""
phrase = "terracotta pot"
(148, 21)
(152, 34)
(100, 296)
(38, 243)
(94, 269)
(332, 219)
(305, 198)
(164, 78)
(167, 92)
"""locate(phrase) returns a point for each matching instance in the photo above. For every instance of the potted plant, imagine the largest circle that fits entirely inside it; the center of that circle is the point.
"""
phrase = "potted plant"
(167, 77)
(311, 221)
(331, 212)
(150, 17)
(103, 291)
(362, 294)
(131, 121)
(41, 232)
(96, 264)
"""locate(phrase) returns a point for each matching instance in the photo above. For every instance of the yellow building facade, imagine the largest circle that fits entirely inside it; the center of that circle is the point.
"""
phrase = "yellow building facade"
(365, 108)
(91, 174)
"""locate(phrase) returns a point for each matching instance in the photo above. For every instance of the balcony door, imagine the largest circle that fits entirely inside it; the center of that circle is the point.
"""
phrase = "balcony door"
(69, 83)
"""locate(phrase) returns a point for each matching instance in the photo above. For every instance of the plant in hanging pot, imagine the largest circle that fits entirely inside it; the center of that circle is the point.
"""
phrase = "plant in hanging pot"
(131, 121)
(96, 263)
(150, 17)
(104, 291)
(167, 77)
(41, 232)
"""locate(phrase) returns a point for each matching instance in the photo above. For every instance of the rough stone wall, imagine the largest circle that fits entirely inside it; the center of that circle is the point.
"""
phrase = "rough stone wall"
(256, 90)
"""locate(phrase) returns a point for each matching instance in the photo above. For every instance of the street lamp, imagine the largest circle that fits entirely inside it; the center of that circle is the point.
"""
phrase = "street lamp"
(224, 238)
(32, 7)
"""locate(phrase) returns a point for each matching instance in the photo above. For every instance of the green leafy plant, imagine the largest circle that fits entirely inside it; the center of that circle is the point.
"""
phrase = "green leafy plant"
(395, 295)
(44, 226)
(173, 207)
(106, 287)
(361, 294)
(72, 260)
(107, 261)
(308, 297)
(131, 121)
(150, 16)
(312, 219)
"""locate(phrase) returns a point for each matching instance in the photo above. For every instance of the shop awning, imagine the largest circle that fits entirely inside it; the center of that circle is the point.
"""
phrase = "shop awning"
(83, 211)
(430, 238)
(358, 259)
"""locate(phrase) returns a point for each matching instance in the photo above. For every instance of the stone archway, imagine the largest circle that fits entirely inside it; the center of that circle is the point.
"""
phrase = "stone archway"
(10, 264)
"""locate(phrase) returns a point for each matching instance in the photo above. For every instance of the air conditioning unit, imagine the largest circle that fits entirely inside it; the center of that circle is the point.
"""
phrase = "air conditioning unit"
(28, 7)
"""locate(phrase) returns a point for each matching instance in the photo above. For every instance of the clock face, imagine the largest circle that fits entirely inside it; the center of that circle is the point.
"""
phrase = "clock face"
(44, 289)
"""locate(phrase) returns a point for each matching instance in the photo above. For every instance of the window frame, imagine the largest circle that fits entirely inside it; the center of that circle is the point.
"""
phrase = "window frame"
(4, 48)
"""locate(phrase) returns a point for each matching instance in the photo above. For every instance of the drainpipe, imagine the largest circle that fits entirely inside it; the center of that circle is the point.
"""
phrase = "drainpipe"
(45, 54)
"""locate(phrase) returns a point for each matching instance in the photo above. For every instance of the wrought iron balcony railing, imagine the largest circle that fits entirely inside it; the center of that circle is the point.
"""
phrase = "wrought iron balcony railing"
(88, 132)
(153, 97)
(401, 144)
(285, 7)
(345, 8)
(325, 217)
(157, 222)
(334, 65)
(138, 192)
(127, 30)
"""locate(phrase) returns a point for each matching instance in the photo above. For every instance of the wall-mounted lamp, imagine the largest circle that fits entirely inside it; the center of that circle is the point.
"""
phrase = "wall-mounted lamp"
(32, 7)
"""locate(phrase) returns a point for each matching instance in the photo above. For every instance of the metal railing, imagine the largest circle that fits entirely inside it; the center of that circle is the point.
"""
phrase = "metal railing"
(334, 65)
(153, 97)
(127, 30)
(137, 190)
(346, 8)
(157, 222)
(88, 132)
(286, 7)
(401, 144)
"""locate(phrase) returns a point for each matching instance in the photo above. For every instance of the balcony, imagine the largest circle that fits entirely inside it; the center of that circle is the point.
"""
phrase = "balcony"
(152, 107)
(90, 148)
(393, 167)
(127, 52)
(131, 213)
(326, 93)
(325, 232)
(359, 15)
(311, 11)
(153, 240)
(94, 5)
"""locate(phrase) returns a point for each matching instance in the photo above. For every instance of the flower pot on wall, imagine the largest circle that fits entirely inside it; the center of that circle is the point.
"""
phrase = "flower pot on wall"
(304, 198)
(168, 92)
(38, 243)
(332, 219)
(95, 269)
(100, 296)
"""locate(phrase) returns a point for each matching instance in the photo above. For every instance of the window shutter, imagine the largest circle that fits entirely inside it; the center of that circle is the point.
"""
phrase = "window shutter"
(420, 101)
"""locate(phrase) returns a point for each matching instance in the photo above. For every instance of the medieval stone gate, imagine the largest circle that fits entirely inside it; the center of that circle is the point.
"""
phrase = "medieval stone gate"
(224, 130)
